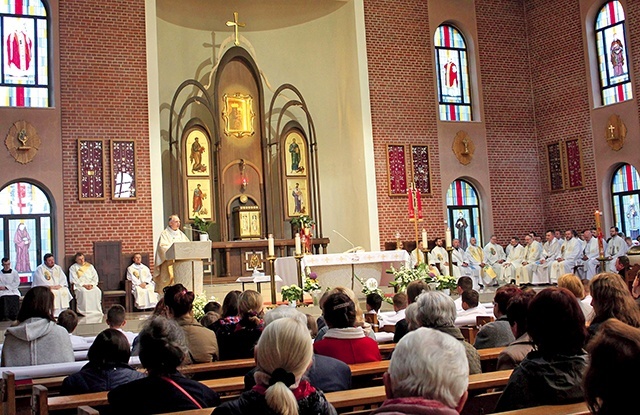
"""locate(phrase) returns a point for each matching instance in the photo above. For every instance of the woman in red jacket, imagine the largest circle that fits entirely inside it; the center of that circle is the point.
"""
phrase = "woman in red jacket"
(344, 341)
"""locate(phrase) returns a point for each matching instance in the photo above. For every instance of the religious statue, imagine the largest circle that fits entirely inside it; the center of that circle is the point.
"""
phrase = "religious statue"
(22, 241)
(632, 215)
(617, 57)
(198, 197)
(297, 197)
(196, 157)
(294, 149)
(462, 225)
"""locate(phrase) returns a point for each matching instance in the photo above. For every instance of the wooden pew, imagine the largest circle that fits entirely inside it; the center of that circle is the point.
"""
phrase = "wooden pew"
(8, 394)
(489, 358)
(570, 409)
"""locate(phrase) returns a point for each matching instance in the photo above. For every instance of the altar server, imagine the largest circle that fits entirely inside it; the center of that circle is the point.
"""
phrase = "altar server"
(9, 293)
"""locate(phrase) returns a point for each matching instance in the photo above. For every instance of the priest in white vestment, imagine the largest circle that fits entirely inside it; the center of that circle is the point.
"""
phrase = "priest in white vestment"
(417, 256)
(438, 257)
(84, 278)
(570, 251)
(51, 275)
(494, 256)
(550, 251)
(616, 248)
(532, 253)
(514, 258)
(476, 257)
(143, 287)
(461, 265)
(590, 255)
(9, 279)
(163, 271)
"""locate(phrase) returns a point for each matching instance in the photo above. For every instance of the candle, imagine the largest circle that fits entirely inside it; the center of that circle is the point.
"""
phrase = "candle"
(272, 247)
(298, 250)
(597, 215)
(447, 237)
(397, 235)
(424, 239)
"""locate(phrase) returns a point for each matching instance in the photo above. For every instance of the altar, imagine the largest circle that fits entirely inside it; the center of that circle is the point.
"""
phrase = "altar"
(335, 270)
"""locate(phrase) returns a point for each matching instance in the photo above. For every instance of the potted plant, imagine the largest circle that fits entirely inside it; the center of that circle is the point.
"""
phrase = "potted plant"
(203, 226)
(292, 294)
(301, 222)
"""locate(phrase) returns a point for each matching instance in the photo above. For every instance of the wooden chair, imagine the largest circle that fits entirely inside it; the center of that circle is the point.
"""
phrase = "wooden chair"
(8, 394)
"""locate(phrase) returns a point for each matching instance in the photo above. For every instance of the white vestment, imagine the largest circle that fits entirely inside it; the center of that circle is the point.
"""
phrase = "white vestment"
(49, 277)
(476, 258)
(591, 264)
(458, 257)
(526, 267)
(145, 297)
(88, 301)
(468, 317)
(438, 257)
(569, 253)
(616, 248)
(514, 258)
(493, 253)
(163, 271)
(415, 255)
(11, 281)
(550, 251)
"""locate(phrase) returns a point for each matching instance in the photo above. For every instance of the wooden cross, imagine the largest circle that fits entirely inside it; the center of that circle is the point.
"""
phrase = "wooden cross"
(611, 128)
(235, 25)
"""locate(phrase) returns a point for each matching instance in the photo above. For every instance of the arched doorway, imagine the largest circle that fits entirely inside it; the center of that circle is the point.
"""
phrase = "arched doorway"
(463, 211)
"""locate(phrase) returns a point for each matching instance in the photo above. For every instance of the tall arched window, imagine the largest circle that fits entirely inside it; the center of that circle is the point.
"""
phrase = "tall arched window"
(463, 210)
(24, 73)
(625, 191)
(26, 227)
(613, 62)
(452, 65)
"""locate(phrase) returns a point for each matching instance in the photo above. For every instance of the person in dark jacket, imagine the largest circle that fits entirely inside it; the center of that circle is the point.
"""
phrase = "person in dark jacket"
(283, 354)
(498, 333)
(108, 366)
(552, 374)
(414, 289)
(237, 340)
(163, 348)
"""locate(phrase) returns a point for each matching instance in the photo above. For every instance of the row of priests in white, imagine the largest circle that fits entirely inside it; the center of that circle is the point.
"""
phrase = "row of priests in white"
(50, 274)
(142, 284)
(163, 270)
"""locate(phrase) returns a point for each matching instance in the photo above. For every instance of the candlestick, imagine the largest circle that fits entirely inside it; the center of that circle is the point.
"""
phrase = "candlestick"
(272, 283)
(272, 247)
(424, 239)
(447, 238)
(298, 249)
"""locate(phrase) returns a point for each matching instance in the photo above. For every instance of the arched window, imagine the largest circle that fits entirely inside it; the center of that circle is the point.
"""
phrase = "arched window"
(26, 227)
(625, 191)
(452, 66)
(24, 73)
(613, 62)
(463, 209)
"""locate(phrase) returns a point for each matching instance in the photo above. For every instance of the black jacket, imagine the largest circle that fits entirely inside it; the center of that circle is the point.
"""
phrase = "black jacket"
(96, 379)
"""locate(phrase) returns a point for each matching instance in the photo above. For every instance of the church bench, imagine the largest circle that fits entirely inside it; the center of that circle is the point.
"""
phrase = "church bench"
(386, 349)
(570, 409)
(489, 358)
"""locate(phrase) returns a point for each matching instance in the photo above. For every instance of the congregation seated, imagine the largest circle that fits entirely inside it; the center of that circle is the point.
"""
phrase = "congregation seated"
(391, 318)
(344, 339)
(360, 320)
(68, 319)
(611, 380)
(498, 333)
(414, 289)
(325, 373)
(35, 338)
(108, 366)
(49, 274)
(435, 309)
(463, 284)
(238, 340)
(611, 299)
(551, 374)
(84, 278)
(428, 374)
(516, 351)
(471, 308)
(283, 355)
(209, 318)
(142, 285)
(373, 303)
(201, 342)
(9, 293)
(116, 319)
(163, 348)
(573, 284)
(229, 314)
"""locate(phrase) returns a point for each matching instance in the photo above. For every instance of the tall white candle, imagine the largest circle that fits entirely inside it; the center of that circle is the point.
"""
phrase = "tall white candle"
(298, 250)
(272, 247)
(424, 238)
(447, 237)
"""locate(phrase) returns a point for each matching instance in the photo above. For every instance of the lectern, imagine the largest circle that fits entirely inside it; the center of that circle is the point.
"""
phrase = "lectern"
(188, 268)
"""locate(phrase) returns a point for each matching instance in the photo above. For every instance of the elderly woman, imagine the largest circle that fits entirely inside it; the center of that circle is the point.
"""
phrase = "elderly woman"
(283, 355)
(611, 299)
(436, 310)
(163, 348)
(428, 374)
(552, 374)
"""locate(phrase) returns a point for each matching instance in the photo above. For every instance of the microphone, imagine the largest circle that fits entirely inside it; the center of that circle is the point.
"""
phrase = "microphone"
(353, 247)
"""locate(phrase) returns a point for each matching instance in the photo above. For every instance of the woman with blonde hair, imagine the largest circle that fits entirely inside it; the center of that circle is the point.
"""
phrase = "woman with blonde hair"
(237, 340)
(573, 284)
(612, 299)
(368, 331)
(283, 355)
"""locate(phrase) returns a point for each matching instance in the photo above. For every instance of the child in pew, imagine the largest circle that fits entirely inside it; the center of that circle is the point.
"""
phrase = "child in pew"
(116, 320)
(389, 319)
(69, 320)
(108, 366)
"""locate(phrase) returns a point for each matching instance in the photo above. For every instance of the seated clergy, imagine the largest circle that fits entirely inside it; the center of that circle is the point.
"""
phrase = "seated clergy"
(84, 278)
(477, 259)
(532, 253)
(515, 253)
(570, 252)
(494, 257)
(9, 293)
(51, 275)
(550, 251)
(142, 282)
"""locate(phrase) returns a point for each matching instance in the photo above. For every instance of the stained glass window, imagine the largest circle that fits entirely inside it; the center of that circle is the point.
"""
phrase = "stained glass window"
(24, 72)
(463, 208)
(613, 62)
(25, 227)
(452, 65)
(626, 200)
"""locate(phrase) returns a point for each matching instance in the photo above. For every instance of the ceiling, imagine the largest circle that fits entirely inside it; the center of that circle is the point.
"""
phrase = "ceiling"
(257, 15)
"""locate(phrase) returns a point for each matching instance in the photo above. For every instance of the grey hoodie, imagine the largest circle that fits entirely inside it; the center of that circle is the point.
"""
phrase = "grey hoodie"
(36, 341)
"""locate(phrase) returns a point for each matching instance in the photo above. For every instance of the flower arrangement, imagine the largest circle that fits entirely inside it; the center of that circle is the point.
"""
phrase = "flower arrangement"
(199, 302)
(446, 282)
(370, 286)
(291, 293)
(311, 281)
(302, 221)
(405, 275)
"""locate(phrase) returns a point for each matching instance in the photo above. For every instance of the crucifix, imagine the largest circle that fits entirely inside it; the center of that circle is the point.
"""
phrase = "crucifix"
(611, 129)
(235, 25)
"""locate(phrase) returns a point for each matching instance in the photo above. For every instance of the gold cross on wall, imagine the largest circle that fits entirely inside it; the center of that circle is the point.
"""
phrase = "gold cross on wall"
(235, 25)
(611, 130)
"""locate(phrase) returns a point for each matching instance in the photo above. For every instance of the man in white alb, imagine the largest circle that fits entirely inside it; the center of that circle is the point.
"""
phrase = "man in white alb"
(570, 251)
(532, 253)
(514, 259)
(494, 256)
(143, 285)
(163, 271)
(590, 255)
(476, 258)
(616, 248)
(84, 278)
(9, 293)
(438, 257)
(51, 275)
(461, 265)
(550, 251)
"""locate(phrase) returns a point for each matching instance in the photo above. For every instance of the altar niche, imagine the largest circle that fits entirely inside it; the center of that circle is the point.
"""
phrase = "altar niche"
(244, 170)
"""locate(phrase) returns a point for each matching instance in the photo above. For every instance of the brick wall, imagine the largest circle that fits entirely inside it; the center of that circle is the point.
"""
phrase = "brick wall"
(104, 95)
(403, 108)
